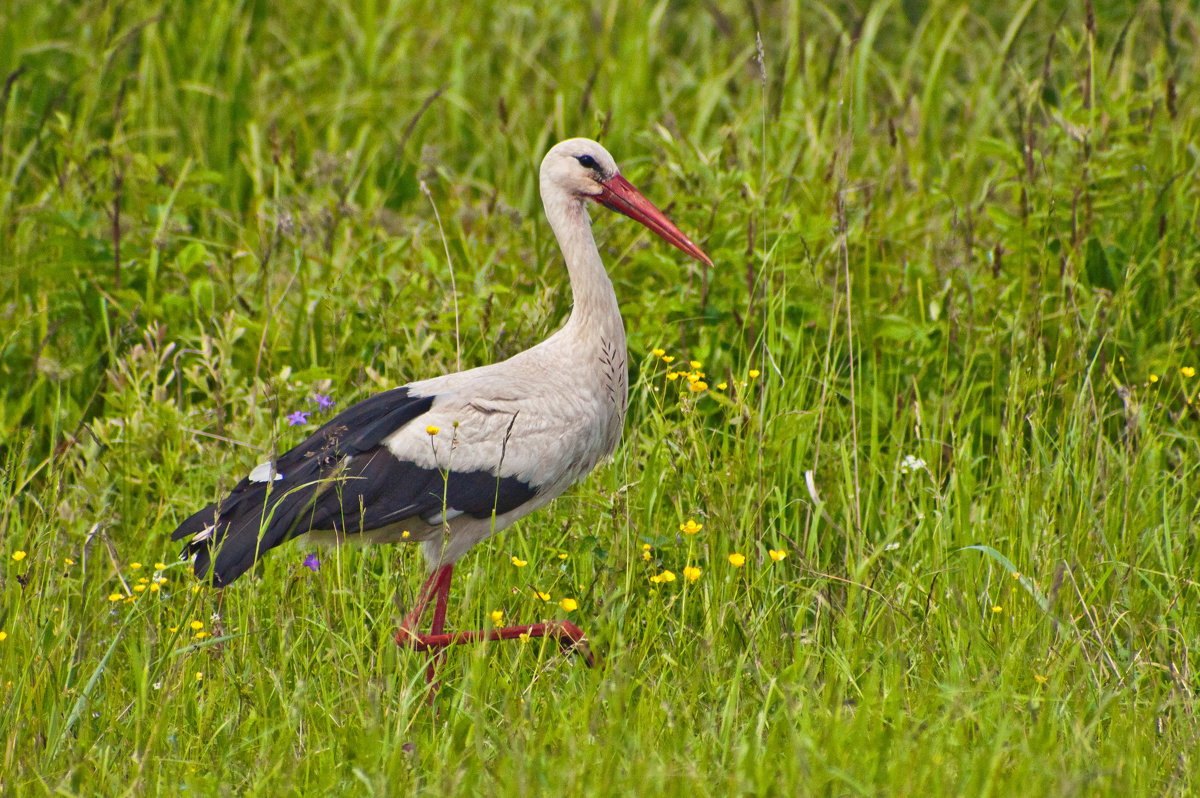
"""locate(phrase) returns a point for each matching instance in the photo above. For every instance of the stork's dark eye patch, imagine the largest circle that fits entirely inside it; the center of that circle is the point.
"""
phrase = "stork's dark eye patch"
(587, 162)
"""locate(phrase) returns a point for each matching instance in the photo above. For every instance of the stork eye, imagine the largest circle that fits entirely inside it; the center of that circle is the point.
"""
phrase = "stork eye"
(587, 162)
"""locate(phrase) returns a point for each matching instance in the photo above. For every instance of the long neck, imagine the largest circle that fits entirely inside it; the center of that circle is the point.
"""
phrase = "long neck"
(595, 309)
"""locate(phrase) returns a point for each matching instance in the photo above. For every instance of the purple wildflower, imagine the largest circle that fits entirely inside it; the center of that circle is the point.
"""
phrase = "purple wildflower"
(323, 402)
(312, 563)
(298, 418)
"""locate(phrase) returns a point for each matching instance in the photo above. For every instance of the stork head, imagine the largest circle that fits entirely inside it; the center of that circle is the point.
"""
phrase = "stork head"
(582, 168)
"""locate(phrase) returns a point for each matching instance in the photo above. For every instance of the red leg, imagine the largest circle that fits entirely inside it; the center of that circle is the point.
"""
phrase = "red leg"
(443, 598)
(438, 626)
(432, 585)
(438, 584)
(569, 636)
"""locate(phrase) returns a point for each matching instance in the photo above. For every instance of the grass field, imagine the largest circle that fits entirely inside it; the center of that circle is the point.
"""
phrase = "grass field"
(952, 416)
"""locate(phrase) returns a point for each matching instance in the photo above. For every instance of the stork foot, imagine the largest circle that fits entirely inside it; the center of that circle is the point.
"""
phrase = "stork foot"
(437, 588)
(569, 636)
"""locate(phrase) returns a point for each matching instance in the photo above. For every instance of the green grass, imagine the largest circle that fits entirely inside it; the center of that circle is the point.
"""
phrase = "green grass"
(964, 234)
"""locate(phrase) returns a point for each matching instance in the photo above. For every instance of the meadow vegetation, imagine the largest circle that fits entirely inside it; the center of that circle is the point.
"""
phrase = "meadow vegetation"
(920, 518)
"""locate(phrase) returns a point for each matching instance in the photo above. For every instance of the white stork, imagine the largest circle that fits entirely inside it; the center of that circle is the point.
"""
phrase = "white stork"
(451, 460)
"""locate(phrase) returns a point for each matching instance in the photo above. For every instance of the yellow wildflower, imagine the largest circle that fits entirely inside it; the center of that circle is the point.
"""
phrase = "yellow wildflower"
(646, 556)
(695, 364)
(199, 675)
(542, 596)
(754, 374)
(405, 535)
(3, 636)
(657, 352)
(68, 561)
(722, 385)
(691, 573)
(1188, 371)
(672, 375)
(997, 608)
(668, 358)
(1040, 678)
(737, 560)
(517, 561)
(523, 637)
(497, 617)
(690, 527)
(197, 625)
(18, 555)
(158, 566)
(777, 554)
(201, 635)
(569, 604)
(138, 588)
(665, 576)
(562, 555)
(154, 588)
(115, 597)
(133, 566)
(432, 430)
(697, 386)
(1153, 378)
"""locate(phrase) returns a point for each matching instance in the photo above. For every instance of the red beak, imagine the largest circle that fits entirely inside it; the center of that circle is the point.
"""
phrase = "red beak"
(617, 194)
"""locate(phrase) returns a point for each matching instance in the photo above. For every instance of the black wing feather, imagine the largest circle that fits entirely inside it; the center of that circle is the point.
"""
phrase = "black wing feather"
(377, 489)
(257, 516)
(341, 479)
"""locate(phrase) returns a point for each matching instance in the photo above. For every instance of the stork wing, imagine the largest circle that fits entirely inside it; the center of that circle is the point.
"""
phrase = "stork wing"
(342, 478)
